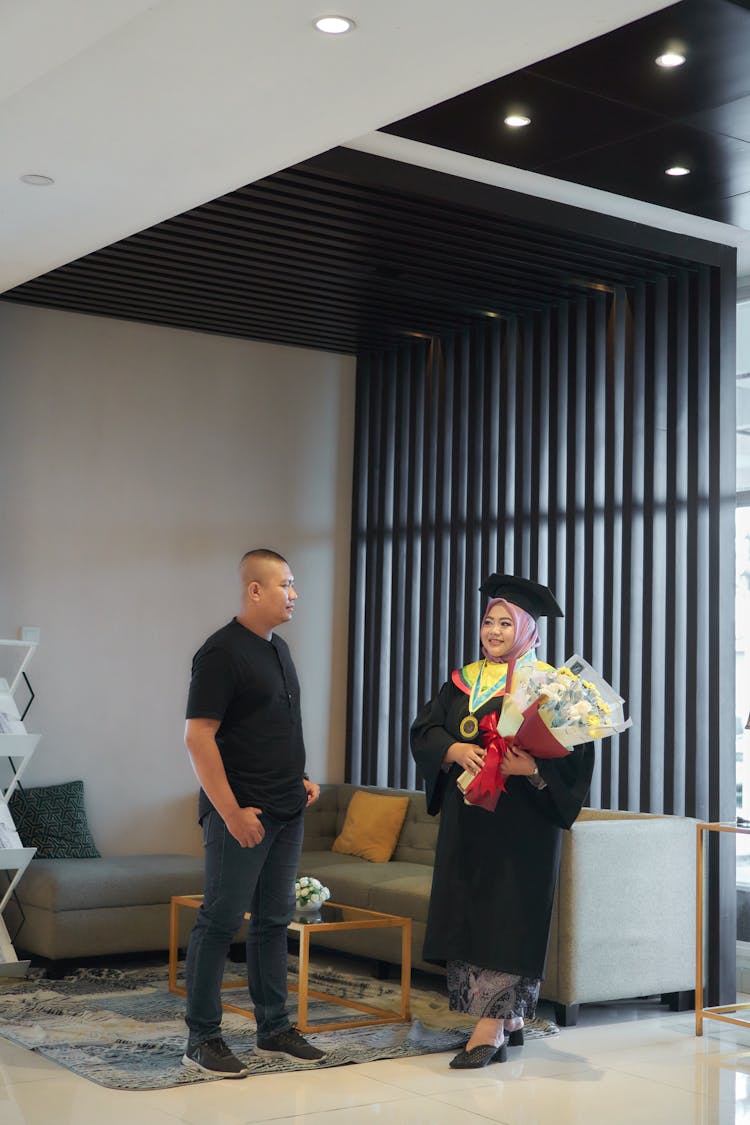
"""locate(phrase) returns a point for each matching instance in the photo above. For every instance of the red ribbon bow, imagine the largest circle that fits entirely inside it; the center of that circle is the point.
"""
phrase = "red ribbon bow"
(489, 783)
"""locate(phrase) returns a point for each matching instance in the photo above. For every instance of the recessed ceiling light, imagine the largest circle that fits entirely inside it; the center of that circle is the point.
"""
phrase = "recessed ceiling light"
(334, 25)
(670, 59)
(517, 120)
(36, 180)
(677, 170)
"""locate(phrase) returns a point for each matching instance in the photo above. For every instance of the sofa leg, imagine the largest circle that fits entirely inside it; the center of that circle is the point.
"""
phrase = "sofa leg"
(679, 1001)
(381, 970)
(566, 1015)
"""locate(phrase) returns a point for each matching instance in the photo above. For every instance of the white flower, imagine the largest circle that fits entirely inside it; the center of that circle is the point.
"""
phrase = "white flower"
(310, 891)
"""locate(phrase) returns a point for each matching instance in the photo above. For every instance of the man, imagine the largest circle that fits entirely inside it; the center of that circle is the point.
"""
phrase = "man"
(244, 737)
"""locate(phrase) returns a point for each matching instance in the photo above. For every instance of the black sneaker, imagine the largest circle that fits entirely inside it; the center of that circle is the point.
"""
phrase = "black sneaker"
(214, 1057)
(289, 1044)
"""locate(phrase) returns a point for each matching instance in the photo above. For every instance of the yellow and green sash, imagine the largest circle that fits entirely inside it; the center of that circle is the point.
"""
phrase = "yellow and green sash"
(481, 681)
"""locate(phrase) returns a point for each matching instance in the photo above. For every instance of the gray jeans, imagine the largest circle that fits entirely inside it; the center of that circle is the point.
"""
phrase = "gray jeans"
(259, 880)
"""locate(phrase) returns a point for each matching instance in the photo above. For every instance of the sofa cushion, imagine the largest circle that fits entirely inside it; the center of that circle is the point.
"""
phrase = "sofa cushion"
(418, 838)
(52, 819)
(408, 897)
(353, 883)
(313, 862)
(133, 880)
(371, 826)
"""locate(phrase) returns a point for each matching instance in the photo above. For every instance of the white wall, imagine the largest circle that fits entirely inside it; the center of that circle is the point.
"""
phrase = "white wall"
(137, 464)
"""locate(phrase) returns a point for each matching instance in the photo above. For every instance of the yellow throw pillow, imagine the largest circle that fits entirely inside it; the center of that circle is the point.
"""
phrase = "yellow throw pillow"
(372, 826)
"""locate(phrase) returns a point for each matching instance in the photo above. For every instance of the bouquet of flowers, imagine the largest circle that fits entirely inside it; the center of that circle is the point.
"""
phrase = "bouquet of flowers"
(310, 893)
(548, 712)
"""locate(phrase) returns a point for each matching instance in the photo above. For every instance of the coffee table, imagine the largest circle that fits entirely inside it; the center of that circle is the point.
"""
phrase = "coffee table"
(331, 917)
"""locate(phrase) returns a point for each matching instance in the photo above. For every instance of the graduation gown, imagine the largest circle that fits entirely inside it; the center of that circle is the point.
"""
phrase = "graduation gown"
(495, 872)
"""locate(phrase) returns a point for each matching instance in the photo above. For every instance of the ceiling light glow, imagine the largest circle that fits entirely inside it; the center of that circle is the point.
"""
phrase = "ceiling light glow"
(517, 120)
(334, 25)
(677, 170)
(670, 59)
(34, 179)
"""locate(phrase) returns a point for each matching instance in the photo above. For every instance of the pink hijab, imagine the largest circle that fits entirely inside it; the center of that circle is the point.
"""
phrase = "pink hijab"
(527, 634)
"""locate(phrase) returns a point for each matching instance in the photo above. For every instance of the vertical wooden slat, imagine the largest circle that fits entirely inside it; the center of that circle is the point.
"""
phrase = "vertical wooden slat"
(720, 647)
(414, 546)
(358, 572)
(543, 428)
(559, 573)
(620, 441)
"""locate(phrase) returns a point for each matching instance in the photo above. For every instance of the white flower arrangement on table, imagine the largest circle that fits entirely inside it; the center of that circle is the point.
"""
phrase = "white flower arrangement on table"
(310, 893)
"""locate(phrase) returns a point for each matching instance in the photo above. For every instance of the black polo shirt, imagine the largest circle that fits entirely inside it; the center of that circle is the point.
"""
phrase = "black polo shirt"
(250, 685)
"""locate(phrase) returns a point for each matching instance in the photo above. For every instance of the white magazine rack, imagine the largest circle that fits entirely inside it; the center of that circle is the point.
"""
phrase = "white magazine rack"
(16, 750)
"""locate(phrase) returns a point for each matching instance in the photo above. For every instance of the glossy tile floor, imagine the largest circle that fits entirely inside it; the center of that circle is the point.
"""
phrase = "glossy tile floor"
(624, 1064)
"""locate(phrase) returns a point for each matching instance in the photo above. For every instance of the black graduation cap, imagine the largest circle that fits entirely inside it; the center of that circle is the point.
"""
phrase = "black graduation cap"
(537, 600)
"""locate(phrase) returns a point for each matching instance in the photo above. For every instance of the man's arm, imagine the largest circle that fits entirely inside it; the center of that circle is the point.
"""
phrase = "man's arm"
(200, 739)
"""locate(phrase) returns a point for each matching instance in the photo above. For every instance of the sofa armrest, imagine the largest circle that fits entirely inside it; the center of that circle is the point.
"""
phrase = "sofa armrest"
(625, 910)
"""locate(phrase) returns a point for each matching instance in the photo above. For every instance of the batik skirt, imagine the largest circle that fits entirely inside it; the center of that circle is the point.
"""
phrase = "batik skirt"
(491, 994)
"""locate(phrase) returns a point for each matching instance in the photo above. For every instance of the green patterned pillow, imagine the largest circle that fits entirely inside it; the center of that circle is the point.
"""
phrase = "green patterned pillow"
(52, 819)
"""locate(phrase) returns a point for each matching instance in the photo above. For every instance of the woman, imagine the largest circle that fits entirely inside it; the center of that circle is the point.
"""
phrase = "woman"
(495, 872)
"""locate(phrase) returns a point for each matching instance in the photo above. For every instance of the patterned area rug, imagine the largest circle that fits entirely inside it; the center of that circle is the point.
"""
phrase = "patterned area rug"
(123, 1029)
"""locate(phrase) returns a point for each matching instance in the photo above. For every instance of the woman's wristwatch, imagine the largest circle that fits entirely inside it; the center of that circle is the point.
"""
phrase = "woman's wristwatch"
(536, 779)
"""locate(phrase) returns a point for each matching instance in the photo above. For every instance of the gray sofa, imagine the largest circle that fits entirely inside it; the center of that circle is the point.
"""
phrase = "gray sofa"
(623, 921)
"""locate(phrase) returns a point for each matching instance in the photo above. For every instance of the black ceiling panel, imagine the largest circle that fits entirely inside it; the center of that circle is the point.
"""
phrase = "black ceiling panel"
(720, 167)
(714, 35)
(730, 120)
(603, 114)
(565, 121)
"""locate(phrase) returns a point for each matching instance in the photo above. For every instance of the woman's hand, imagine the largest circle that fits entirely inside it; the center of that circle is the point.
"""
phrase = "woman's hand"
(517, 761)
(468, 755)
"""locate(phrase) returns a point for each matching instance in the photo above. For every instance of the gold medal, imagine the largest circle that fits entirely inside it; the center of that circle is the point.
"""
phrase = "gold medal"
(468, 726)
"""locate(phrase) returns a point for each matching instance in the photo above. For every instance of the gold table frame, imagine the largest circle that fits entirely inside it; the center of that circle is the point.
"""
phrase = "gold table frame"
(360, 920)
(717, 1011)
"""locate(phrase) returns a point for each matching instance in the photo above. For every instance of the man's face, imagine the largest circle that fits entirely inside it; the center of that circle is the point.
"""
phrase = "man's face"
(278, 594)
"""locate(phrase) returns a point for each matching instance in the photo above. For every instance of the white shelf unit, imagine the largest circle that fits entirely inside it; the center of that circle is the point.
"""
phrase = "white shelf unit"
(16, 750)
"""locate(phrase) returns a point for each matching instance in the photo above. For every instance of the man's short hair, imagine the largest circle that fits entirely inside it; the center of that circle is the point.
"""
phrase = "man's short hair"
(264, 554)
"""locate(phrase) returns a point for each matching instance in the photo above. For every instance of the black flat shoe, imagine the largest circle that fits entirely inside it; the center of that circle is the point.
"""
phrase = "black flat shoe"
(515, 1038)
(478, 1056)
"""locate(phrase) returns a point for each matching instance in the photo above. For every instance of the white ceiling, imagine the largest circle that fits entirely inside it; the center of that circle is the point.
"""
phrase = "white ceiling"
(141, 110)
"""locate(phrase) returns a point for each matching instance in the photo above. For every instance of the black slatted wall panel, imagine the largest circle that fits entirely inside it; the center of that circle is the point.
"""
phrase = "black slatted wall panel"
(579, 446)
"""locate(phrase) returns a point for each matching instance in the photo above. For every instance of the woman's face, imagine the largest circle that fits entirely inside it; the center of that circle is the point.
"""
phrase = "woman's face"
(498, 632)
